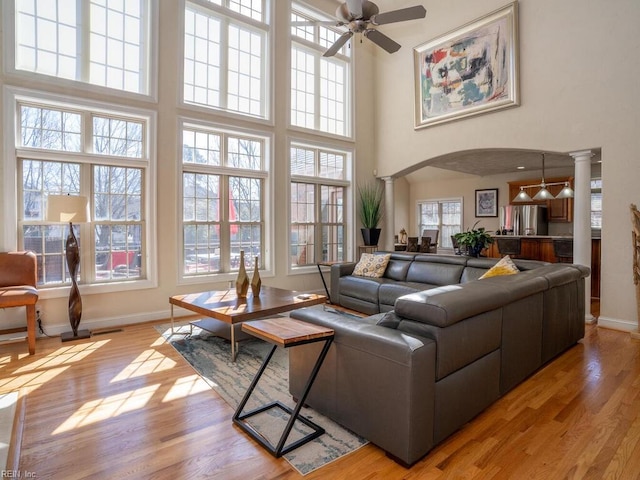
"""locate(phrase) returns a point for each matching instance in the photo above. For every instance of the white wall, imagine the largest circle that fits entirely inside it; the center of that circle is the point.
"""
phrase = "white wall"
(578, 82)
(104, 310)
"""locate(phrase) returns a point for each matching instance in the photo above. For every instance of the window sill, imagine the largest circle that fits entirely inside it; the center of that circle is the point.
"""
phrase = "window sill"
(96, 288)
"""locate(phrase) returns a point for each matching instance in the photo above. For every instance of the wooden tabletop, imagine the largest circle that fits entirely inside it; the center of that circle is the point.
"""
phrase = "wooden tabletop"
(286, 332)
(225, 305)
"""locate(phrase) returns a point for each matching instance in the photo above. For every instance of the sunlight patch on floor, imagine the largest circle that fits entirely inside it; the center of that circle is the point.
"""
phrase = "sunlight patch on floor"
(108, 407)
(186, 386)
(149, 361)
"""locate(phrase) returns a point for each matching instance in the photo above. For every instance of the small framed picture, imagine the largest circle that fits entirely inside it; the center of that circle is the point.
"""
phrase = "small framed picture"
(487, 202)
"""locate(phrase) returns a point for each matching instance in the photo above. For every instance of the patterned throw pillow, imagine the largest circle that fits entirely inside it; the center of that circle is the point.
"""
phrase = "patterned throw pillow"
(372, 265)
(504, 267)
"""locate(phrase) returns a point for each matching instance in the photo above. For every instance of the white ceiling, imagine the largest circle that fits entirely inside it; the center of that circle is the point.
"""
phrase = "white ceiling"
(489, 162)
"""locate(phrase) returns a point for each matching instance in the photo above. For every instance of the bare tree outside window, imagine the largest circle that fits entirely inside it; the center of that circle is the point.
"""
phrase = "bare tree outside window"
(116, 192)
(223, 201)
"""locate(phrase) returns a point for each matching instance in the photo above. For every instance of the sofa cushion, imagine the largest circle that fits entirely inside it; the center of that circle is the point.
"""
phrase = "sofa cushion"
(389, 292)
(372, 265)
(446, 305)
(434, 273)
(363, 288)
(504, 267)
(397, 269)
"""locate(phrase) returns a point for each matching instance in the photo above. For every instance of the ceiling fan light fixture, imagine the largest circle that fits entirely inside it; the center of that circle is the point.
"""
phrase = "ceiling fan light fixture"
(361, 15)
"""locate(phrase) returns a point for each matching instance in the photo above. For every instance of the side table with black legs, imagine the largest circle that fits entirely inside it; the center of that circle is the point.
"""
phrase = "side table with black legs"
(286, 333)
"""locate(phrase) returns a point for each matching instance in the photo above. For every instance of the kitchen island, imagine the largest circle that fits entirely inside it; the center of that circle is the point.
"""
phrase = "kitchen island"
(540, 247)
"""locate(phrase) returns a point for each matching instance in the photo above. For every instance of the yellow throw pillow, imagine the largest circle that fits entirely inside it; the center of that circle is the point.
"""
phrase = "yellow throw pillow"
(372, 265)
(504, 267)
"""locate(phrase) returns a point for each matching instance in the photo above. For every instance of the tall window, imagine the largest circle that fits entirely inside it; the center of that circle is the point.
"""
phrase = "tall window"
(443, 215)
(77, 151)
(225, 58)
(223, 198)
(596, 203)
(101, 42)
(320, 86)
(318, 193)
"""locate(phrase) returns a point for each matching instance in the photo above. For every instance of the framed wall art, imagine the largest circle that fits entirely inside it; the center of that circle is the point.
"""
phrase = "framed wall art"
(471, 70)
(487, 202)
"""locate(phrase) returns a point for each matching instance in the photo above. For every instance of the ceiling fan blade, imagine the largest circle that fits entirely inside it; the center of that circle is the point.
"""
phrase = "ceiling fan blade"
(355, 8)
(344, 38)
(382, 40)
(400, 15)
(313, 23)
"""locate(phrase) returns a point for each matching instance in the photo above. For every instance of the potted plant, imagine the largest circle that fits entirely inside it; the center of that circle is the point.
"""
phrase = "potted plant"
(474, 240)
(370, 211)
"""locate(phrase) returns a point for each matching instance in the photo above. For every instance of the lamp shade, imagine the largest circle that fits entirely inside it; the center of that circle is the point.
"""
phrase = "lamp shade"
(543, 194)
(522, 196)
(566, 192)
(67, 208)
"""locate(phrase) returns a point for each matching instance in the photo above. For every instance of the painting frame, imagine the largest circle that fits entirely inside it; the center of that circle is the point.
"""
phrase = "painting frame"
(487, 202)
(471, 70)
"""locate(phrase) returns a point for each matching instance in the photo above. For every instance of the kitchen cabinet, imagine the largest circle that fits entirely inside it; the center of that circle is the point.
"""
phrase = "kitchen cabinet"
(558, 210)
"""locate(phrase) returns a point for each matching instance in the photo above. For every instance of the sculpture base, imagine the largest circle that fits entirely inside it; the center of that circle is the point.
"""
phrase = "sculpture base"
(68, 336)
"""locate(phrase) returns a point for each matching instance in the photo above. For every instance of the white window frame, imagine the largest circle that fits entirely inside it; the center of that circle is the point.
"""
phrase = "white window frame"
(596, 190)
(348, 207)
(317, 50)
(441, 238)
(228, 16)
(268, 217)
(149, 47)
(11, 97)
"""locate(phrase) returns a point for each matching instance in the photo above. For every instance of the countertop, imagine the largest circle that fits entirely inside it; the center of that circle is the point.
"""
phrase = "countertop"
(533, 236)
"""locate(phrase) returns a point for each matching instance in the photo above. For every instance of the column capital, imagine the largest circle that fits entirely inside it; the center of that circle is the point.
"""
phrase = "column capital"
(582, 154)
(387, 179)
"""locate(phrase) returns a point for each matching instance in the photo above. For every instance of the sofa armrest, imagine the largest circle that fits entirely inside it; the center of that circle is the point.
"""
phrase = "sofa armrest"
(339, 270)
(371, 371)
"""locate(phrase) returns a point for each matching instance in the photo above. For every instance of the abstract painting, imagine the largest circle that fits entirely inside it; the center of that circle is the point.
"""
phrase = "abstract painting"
(470, 70)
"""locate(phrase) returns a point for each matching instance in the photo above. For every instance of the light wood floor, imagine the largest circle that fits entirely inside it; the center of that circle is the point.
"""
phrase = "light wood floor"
(125, 405)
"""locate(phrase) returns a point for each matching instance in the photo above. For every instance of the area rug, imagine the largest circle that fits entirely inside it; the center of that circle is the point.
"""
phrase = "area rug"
(210, 356)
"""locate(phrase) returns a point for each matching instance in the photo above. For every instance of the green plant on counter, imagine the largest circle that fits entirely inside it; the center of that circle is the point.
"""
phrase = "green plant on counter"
(474, 240)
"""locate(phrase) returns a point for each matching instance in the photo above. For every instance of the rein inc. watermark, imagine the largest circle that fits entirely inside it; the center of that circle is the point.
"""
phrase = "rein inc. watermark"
(17, 474)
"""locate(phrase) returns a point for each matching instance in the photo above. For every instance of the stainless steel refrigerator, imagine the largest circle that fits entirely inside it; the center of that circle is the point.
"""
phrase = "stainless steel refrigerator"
(524, 220)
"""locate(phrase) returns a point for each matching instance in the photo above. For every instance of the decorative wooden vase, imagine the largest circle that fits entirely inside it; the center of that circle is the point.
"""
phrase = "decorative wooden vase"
(256, 282)
(242, 281)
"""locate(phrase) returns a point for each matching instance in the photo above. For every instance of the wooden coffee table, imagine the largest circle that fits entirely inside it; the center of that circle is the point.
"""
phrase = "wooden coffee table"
(225, 311)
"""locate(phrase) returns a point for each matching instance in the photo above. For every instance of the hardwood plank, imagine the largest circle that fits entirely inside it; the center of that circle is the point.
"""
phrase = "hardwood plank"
(126, 405)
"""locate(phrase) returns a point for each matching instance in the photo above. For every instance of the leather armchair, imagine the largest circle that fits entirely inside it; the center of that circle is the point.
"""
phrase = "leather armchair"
(18, 277)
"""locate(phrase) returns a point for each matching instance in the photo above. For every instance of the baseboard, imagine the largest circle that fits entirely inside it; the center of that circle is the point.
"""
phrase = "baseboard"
(617, 324)
(117, 321)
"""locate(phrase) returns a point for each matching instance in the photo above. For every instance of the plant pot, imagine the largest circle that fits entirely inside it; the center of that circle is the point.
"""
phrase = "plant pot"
(370, 236)
(475, 251)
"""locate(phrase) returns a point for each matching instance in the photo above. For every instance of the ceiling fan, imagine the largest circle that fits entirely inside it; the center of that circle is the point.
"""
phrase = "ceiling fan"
(361, 16)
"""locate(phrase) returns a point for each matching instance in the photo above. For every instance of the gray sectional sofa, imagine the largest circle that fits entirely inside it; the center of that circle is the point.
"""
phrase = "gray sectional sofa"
(443, 348)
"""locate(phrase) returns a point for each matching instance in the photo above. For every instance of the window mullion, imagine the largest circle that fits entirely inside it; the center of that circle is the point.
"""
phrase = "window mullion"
(83, 41)
(224, 62)
(87, 267)
(317, 83)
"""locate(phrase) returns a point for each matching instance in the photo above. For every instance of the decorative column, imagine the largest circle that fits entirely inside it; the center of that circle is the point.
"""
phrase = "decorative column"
(582, 219)
(389, 215)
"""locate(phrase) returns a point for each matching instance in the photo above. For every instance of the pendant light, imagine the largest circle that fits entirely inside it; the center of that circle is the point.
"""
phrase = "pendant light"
(543, 193)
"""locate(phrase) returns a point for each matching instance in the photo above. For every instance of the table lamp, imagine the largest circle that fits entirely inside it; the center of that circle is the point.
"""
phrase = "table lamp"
(63, 209)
